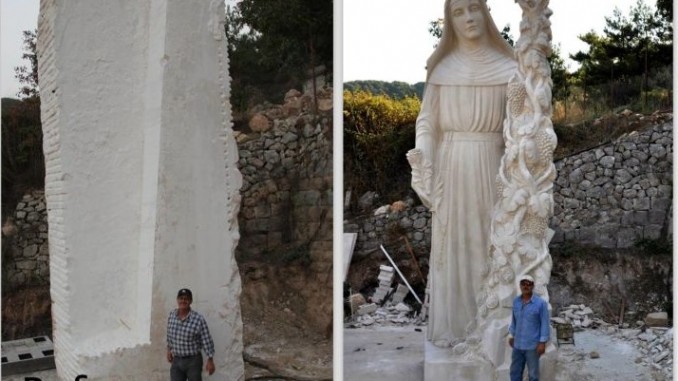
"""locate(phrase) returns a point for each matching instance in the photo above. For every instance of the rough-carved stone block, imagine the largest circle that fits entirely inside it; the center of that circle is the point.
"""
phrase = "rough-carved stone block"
(141, 182)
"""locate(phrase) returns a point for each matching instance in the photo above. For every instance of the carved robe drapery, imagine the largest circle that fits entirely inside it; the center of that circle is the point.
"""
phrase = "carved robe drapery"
(459, 147)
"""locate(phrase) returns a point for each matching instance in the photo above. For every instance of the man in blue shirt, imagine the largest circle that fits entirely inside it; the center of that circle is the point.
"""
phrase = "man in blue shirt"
(187, 335)
(529, 331)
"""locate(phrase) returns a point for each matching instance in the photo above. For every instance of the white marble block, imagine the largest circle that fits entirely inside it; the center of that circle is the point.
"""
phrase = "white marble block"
(141, 182)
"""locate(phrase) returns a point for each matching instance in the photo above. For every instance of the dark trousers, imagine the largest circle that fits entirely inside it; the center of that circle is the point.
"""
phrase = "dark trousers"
(186, 368)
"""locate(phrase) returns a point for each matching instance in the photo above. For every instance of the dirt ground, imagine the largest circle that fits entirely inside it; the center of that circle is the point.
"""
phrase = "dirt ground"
(277, 348)
(26, 313)
(287, 315)
(397, 354)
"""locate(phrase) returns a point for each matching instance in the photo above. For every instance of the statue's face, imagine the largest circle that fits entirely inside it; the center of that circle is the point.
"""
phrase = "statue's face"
(468, 19)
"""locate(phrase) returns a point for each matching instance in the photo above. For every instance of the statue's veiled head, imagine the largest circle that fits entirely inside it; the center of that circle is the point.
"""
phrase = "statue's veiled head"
(468, 21)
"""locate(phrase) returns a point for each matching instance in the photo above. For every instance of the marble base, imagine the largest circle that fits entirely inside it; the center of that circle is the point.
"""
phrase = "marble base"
(441, 364)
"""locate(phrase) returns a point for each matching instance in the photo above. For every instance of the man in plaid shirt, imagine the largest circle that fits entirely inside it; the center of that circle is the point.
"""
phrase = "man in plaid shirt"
(187, 334)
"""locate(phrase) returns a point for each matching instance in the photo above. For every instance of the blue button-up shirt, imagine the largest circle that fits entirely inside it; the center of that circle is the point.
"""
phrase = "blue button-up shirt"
(530, 323)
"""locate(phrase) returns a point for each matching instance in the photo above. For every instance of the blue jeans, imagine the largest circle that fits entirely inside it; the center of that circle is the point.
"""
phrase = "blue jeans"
(518, 360)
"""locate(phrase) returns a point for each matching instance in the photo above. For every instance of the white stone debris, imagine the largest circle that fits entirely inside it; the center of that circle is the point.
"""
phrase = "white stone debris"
(654, 342)
(390, 315)
(402, 307)
(386, 276)
(399, 294)
(367, 309)
(367, 320)
(579, 316)
(657, 319)
(382, 210)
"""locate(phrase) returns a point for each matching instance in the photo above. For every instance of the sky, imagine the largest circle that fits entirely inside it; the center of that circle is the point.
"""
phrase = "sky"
(15, 17)
(383, 39)
(388, 40)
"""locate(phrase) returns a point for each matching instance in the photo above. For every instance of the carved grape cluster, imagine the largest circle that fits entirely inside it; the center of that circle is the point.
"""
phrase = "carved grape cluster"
(507, 274)
(516, 98)
(499, 186)
(546, 143)
(492, 301)
(534, 225)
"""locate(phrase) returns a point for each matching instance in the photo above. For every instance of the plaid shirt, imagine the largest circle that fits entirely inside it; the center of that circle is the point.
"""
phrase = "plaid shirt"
(186, 337)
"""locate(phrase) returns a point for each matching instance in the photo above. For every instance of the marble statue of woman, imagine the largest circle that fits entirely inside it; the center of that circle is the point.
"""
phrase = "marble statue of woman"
(456, 158)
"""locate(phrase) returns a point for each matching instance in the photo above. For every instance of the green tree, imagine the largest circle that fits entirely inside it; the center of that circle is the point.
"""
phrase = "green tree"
(630, 47)
(28, 75)
(396, 90)
(506, 33)
(435, 28)
(560, 76)
(23, 166)
(665, 10)
(276, 42)
(378, 132)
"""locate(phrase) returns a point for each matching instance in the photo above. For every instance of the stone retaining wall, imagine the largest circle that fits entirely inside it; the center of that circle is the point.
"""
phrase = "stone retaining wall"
(286, 214)
(617, 194)
(287, 184)
(414, 222)
(26, 261)
(610, 196)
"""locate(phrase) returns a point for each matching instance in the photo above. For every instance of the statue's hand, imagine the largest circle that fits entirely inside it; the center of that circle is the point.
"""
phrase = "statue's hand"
(415, 157)
(422, 175)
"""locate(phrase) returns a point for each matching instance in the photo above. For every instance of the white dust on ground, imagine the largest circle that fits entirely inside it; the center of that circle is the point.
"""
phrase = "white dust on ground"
(396, 354)
(617, 360)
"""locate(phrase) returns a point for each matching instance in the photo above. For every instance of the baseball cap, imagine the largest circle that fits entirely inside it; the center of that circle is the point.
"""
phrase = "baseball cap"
(526, 277)
(185, 292)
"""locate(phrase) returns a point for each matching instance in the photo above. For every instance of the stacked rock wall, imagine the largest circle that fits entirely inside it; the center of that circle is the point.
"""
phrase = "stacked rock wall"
(27, 258)
(286, 163)
(286, 215)
(617, 194)
(611, 196)
(387, 228)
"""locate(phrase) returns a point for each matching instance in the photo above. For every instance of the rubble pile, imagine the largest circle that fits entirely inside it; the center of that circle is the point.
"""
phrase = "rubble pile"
(399, 294)
(655, 343)
(386, 276)
(651, 336)
(398, 315)
(579, 316)
(386, 307)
